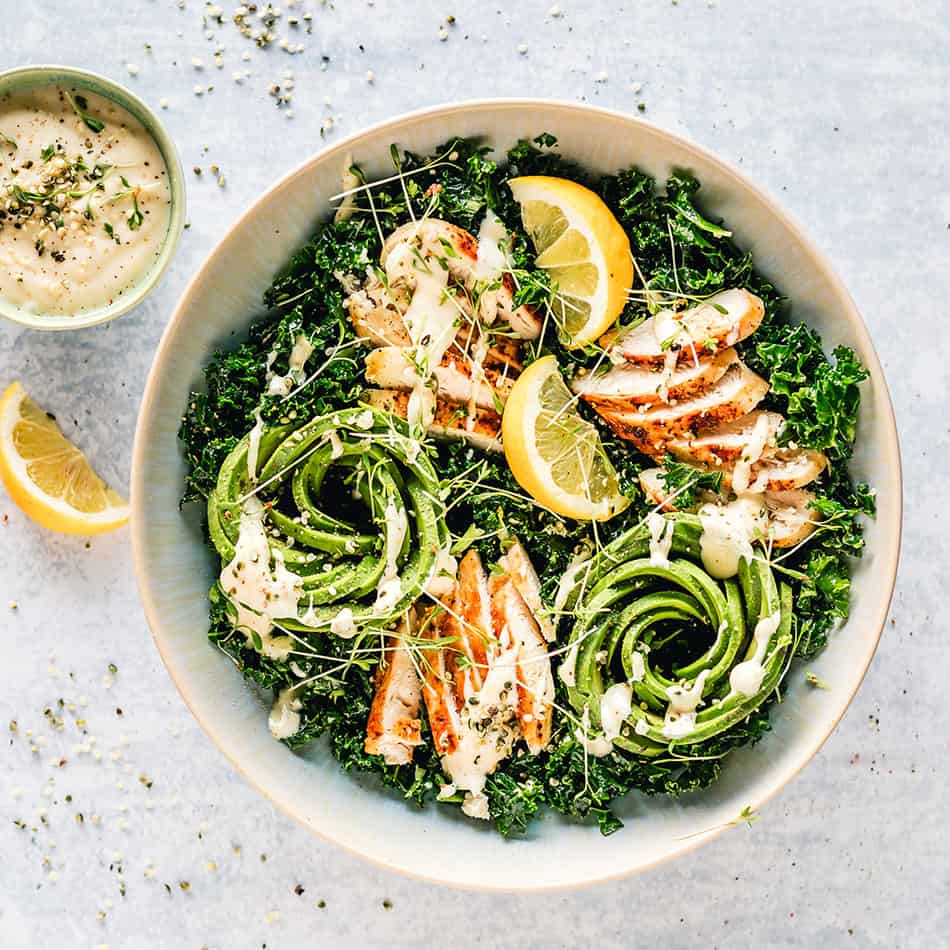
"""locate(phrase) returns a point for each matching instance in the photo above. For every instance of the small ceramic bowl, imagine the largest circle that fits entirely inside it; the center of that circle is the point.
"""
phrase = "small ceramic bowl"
(175, 568)
(27, 77)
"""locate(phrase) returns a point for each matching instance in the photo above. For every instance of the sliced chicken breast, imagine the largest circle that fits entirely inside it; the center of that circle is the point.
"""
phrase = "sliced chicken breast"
(787, 470)
(700, 331)
(486, 384)
(375, 317)
(726, 444)
(651, 428)
(469, 624)
(517, 565)
(789, 518)
(513, 623)
(628, 383)
(482, 428)
(438, 688)
(457, 250)
(393, 728)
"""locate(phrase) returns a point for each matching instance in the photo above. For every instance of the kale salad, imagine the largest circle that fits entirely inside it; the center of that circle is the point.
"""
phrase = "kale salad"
(527, 488)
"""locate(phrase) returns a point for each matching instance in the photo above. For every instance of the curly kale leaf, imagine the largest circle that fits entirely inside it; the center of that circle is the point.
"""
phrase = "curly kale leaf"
(823, 595)
(583, 787)
(687, 481)
(819, 397)
(538, 156)
(512, 804)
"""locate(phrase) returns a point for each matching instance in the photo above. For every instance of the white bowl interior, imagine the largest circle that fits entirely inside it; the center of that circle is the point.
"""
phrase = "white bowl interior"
(175, 569)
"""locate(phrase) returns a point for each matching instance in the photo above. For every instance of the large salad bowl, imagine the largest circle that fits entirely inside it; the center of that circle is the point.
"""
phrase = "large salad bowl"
(175, 568)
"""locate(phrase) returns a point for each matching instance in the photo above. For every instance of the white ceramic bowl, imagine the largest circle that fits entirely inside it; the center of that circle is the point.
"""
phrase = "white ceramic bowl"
(175, 569)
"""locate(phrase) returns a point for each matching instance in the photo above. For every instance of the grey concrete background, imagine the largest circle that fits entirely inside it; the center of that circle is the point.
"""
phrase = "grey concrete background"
(840, 109)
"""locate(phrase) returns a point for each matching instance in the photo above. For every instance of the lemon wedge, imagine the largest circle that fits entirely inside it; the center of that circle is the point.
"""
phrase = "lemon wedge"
(554, 453)
(48, 477)
(584, 250)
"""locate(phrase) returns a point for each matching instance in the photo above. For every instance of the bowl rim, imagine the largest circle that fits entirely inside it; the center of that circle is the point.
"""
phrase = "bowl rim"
(892, 531)
(41, 74)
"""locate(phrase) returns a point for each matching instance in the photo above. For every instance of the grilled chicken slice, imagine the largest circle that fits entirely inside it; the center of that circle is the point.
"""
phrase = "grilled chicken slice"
(726, 444)
(630, 383)
(517, 565)
(469, 623)
(375, 317)
(486, 385)
(438, 690)
(482, 428)
(786, 470)
(790, 519)
(393, 728)
(700, 331)
(456, 672)
(514, 624)
(651, 428)
(457, 250)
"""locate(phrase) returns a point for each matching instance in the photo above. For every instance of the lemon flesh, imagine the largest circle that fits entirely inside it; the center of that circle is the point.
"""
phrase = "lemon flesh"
(583, 249)
(47, 476)
(554, 453)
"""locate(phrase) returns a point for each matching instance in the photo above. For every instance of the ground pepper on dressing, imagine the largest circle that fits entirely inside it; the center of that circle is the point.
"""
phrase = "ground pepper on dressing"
(85, 200)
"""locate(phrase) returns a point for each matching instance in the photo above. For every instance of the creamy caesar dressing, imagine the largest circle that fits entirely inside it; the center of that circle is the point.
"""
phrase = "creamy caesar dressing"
(260, 594)
(343, 624)
(751, 453)
(254, 445)
(336, 443)
(669, 368)
(441, 582)
(615, 707)
(672, 336)
(284, 717)
(491, 262)
(567, 669)
(746, 677)
(301, 351)
(389, 588)
(597, 746)
(486, 728)
(661, 538)
(430, 319)
(680, 718)
(728, 533)
(84, 205)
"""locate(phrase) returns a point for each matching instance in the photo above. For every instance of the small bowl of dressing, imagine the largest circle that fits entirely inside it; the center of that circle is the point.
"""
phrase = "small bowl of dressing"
(92, 198)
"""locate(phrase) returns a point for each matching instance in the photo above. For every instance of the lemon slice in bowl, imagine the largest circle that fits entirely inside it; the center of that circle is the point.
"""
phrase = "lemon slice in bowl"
(554, 453)
(48, 477)
(584, 250)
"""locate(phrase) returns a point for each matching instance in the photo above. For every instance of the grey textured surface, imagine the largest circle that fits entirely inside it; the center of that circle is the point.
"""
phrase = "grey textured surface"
(837, 108)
